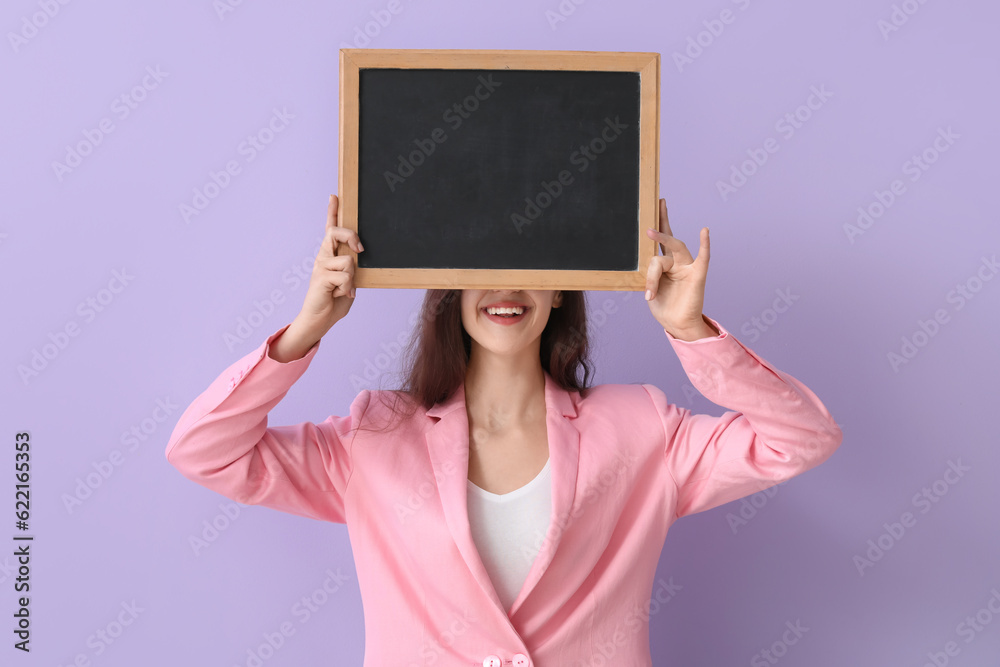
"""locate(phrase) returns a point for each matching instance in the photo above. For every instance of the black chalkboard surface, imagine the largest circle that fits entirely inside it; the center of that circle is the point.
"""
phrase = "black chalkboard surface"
(518, 176)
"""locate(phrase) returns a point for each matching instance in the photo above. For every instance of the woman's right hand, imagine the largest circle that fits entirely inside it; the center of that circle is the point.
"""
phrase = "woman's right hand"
(330, 294)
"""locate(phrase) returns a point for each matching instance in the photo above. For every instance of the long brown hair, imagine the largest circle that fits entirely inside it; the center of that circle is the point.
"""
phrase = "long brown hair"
(435, 358)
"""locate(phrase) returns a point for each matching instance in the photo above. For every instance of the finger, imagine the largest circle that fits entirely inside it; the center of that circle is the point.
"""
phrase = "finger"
(343, 263)
(341, 235)
(704, 248)
(342, 284)
(332, 211)
(657, 267)
(664, 220)
(671, 245)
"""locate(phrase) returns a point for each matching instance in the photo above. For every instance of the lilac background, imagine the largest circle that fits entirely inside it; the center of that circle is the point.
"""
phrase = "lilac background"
(163, 336)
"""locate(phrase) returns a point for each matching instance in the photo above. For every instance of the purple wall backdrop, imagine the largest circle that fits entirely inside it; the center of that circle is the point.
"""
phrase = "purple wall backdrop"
(878, 107)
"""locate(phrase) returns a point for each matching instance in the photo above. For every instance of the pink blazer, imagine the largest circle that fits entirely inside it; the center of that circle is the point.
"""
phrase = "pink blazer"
(625, 464)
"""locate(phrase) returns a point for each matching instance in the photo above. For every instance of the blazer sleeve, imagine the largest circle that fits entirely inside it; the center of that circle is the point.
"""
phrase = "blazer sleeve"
(775, 427)
(222, 441)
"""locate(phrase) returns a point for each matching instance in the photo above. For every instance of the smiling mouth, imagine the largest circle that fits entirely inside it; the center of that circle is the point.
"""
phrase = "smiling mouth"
(505, 315)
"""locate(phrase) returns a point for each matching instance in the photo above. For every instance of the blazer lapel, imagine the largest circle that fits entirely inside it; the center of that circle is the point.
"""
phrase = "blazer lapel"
(448, 447)
(564, 462)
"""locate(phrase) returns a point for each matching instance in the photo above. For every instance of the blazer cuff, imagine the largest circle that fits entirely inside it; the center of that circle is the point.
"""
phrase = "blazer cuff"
(282, 373)
(723, 333)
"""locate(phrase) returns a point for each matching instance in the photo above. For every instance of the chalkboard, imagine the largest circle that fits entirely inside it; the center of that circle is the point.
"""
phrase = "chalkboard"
(516, 169)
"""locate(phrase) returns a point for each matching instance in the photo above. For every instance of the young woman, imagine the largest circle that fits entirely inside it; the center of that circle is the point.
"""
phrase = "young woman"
(501, 512)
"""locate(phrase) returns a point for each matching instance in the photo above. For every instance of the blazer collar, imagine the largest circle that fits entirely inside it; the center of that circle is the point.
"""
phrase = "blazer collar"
(448, 447)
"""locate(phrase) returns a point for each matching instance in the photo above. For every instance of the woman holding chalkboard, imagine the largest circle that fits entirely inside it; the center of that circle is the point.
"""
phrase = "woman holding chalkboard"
(501, 512)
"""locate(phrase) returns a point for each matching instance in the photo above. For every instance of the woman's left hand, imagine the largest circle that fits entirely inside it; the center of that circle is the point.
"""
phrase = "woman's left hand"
(677, 283)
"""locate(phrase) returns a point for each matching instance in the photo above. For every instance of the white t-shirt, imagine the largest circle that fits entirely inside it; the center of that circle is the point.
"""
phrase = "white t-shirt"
(509, 531)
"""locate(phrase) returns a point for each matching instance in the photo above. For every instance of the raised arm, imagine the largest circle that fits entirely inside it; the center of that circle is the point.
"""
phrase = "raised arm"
(775, 427)
(222, 440)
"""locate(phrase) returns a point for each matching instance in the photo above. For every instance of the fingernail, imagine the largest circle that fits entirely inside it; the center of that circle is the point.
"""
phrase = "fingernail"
(649, 295)
(361, 247)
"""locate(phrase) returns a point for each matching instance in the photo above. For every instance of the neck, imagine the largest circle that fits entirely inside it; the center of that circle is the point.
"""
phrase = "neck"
(504, 392)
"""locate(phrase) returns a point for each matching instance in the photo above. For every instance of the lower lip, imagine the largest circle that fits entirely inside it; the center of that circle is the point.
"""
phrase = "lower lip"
(499, 319)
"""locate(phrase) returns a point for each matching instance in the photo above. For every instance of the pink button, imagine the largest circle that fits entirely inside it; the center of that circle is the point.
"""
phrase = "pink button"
(492, 661)
(521, 660)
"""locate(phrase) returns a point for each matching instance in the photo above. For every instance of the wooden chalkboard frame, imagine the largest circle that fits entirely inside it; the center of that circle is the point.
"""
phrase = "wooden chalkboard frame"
(647, 65)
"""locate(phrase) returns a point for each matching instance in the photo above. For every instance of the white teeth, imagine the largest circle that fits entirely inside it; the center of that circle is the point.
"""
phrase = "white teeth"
(505, 311)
